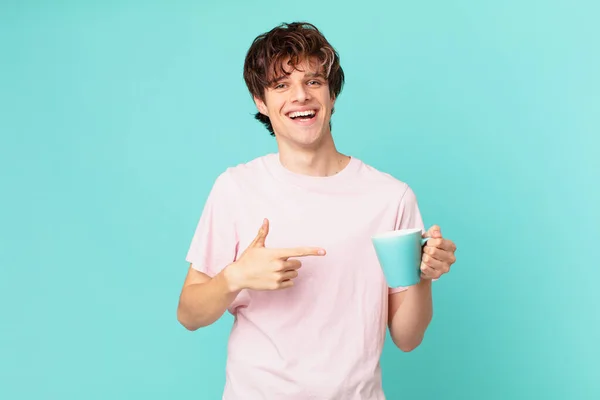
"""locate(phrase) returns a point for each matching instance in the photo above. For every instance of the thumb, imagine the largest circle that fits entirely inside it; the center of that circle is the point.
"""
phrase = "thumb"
(259, 240)
(434, 232)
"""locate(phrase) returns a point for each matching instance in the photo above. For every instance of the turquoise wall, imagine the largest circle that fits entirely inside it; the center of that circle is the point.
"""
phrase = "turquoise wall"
(116, 117)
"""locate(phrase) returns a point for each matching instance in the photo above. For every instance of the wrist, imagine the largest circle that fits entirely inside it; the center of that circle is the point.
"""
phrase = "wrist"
(231, 278)
(423, 284)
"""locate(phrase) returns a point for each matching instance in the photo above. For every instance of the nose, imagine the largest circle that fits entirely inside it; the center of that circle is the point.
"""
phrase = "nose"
(300, 94)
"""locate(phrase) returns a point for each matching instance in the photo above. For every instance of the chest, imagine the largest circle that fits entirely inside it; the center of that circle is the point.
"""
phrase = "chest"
(342, 225)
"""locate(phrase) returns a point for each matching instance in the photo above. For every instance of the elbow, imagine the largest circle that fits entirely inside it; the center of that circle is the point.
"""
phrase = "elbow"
(189, 327)
(185, 322)
(408, 345)
(409, 337)
(407, 341)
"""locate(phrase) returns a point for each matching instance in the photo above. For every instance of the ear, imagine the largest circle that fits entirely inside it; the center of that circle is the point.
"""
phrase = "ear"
(261, 106)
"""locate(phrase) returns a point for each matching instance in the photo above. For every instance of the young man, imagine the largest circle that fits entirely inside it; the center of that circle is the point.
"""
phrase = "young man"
(284, 243)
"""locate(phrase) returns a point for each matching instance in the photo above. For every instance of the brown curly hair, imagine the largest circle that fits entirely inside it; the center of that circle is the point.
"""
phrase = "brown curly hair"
(295, 42)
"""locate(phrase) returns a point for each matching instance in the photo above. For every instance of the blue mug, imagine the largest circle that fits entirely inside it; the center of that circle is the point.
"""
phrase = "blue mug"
(399, 254)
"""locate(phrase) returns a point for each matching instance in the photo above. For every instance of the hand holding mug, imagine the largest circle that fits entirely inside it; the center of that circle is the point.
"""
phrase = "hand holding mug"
(438, 254)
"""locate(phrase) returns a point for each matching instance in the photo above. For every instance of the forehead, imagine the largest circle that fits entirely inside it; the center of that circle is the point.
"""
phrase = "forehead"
(286, 67)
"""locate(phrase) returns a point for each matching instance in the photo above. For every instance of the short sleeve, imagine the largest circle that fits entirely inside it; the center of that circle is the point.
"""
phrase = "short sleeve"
(408, 217)
(215, 242)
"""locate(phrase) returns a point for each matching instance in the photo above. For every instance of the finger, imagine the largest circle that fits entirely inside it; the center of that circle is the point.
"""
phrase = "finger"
(430, 276)
(439, 254)
(291, 265)
(286, 265)
(452, 246)
(443, 244)
(287, 275)
(428, 272)
(448, 245)
(437, 265)
(434, 232)
(286, 284)
(259, 240)
(425, 271)
(298, 252)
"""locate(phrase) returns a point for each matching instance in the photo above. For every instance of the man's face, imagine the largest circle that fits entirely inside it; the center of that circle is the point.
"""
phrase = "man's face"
(299, 106)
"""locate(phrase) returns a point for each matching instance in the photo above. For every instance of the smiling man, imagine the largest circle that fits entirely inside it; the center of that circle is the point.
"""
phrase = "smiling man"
(283, 243)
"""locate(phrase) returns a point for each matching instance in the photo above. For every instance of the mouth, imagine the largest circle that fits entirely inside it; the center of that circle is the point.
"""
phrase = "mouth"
(302, 117)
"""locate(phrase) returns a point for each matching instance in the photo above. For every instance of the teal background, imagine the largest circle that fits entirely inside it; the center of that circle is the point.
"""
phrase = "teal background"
(116, 117)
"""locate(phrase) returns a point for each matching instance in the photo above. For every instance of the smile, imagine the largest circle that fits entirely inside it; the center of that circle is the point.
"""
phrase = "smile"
(302, 116)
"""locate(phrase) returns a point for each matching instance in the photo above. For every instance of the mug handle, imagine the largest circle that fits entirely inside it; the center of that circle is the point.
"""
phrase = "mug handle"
(424, 240)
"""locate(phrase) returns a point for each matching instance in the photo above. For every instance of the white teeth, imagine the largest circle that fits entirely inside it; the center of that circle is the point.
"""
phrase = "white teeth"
(302, 113)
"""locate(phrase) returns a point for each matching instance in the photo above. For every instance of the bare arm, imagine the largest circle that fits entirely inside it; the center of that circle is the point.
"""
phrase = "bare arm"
(203, 299)
(409, 314)
(410, 311)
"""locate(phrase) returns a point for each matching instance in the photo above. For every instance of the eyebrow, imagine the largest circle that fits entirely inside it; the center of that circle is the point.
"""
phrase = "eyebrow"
(308, 75)
(314, 75)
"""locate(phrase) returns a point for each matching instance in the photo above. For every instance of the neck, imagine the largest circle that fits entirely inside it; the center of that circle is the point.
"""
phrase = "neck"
(323, 160)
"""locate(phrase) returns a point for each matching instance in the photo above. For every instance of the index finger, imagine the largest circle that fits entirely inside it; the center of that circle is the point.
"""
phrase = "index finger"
(299, 252)
(440, 243)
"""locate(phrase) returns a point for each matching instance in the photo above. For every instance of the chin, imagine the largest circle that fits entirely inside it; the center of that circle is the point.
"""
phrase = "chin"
(307, 138)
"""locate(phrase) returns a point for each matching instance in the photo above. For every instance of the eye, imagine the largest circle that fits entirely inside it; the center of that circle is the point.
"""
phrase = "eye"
(314, 82)
(280, 86)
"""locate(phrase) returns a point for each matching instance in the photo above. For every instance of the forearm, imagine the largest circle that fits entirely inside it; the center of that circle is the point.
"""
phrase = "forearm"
(201, 304)
(411, 319)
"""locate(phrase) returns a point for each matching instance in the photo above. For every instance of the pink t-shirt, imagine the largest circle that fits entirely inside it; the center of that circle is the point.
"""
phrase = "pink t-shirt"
(323, 337)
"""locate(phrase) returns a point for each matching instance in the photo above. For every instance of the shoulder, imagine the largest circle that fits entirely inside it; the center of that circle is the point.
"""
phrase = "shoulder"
(384, 181)
(244, 172)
